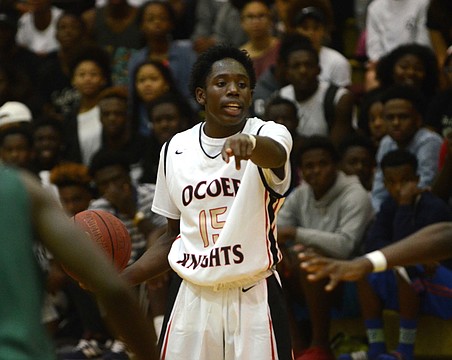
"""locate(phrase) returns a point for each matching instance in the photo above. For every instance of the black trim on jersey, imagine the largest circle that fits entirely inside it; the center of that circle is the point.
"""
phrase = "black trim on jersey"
(200, 144)
(271, 235)
(165, 155)
(264, 181)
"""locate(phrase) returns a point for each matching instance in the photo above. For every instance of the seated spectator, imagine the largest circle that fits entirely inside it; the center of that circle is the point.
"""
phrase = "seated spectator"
(284, 111)
(117, 132)
(169, 115)
(37, 27)
(439, 26)
(403, 107)
(157, 20)
(150, 80)
(329, 212)
(390, 24)
(370, 118)
(407, 210)
(412, 65)
(357, 157)
(335, 68)
(262, 46)
(115, 27)
(439, 111)
(323, 108)
(90, 74)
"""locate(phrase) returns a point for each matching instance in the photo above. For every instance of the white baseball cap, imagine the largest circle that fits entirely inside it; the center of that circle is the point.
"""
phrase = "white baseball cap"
(14, 112)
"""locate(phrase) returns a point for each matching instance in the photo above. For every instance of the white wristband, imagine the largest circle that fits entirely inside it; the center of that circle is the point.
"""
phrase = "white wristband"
(253, 140)
(378, 260)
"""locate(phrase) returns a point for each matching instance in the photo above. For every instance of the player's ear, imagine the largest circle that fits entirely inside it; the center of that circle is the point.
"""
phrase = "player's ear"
(200, 96)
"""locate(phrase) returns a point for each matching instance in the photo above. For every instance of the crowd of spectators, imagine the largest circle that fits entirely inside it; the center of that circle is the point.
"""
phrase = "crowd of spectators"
(91, 90)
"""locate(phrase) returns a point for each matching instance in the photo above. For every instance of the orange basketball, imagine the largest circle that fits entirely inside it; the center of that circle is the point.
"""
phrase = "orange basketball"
(109, 233)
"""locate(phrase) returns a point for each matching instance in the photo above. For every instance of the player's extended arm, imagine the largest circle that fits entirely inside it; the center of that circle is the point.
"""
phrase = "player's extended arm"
(263, 151)
(155, 260)
(432, 243)
(73, 249)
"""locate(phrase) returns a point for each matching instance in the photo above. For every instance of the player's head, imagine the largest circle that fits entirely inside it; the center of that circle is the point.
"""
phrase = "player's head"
(357, 157)
(403, 107)
(282, 111)
(74, 186)
(318, 162)
(203, 66)
(399, 168)
(222, 81)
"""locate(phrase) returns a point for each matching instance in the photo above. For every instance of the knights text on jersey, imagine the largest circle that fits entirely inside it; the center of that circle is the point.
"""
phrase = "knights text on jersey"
(227, 216)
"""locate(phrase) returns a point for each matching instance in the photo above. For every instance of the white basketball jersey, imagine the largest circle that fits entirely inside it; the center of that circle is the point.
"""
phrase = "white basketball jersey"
(227, 216)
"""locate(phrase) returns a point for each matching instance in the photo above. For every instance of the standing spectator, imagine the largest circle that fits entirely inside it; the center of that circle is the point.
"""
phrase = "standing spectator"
(329, 212)
(37, 27)
(402, 111)
(54, 81)
(262, 46)
(90, 74)
(335, 68)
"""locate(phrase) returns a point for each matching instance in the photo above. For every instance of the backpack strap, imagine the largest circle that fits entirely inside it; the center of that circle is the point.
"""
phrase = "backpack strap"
(328, 104)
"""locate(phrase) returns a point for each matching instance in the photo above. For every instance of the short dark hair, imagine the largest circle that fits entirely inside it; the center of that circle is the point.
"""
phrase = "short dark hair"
(20, 129)
(185, 110)
(318, 142)
(353, 140)
(104, 158)
(292, 42)
(278, 100)
(166, 4)
(398, 157)
(49, 121)
(95, 54)
(203, 65)
(405, 92)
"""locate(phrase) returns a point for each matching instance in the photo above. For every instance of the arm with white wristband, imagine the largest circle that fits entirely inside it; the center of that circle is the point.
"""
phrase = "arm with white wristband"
(378, 260)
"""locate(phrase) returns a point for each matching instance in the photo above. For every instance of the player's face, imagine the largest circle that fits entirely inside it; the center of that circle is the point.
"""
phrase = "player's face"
(74, 198)
(226, 98)
(156, 21)
(319, 170)
(88, 78)
(302, 71)
(150, 83)
(283, 114)
(16, 150)
(358, 161)
(113, 116)
(47, 143)
(409, 70)
(402, 120)
(397, 177)
(166, 120)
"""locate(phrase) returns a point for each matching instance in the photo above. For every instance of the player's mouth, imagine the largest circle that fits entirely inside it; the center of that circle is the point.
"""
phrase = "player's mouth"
(233, 108)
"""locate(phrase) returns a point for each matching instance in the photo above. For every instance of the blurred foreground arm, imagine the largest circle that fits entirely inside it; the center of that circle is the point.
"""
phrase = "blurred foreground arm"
(73, 249)
(432, 243)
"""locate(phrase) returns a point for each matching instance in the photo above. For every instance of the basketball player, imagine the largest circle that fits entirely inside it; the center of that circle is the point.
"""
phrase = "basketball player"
(27, 210)
(221, 184)
(432, 243)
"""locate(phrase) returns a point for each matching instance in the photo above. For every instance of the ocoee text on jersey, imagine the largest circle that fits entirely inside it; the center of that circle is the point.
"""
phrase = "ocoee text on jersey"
(219, 256)
(217, 187)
